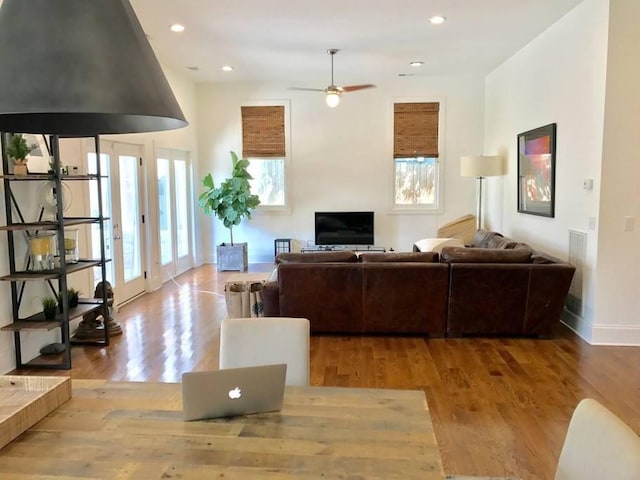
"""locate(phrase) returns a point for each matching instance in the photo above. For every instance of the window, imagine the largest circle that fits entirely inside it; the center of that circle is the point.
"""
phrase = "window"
(264, 145)
(416, 181)
(416, 155)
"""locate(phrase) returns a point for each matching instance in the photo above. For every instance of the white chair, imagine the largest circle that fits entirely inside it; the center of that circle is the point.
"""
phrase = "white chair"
(598, 446)
(246, 342)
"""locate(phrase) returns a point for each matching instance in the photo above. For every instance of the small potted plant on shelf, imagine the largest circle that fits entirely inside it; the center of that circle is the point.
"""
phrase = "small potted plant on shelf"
(72, 299)
(230, 202)
(49, 307)
(18, 150)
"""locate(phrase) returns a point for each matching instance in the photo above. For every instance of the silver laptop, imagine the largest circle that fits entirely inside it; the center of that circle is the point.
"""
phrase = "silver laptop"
(233, 391)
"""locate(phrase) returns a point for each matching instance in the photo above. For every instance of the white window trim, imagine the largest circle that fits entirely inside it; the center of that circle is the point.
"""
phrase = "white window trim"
(285, 209)
(438, 209)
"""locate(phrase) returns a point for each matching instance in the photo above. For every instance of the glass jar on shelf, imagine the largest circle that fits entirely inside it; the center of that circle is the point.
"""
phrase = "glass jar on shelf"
(70, 245)
(41, 255)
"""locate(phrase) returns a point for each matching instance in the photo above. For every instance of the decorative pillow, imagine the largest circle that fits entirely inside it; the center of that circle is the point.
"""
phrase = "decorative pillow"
(316, 257)
(436, 244)
(482, 237)
(545, 258)
(484, 255)
(422, 257)
(501, 242)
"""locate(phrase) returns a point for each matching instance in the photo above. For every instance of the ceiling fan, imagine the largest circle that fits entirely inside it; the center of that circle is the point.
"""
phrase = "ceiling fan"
(333, 92)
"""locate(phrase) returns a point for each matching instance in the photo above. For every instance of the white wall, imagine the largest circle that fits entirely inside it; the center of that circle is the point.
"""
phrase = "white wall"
(583, 74)
(341, 158)
(618, 265)
(72, 153)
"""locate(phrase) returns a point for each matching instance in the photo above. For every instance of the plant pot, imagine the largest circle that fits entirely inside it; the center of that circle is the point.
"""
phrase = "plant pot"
(50, 312)
(20, 170)
(232, 257)
(73, 303)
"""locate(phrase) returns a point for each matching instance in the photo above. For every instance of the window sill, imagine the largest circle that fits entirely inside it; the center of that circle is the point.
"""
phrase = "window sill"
(272, 210)
(414, 210)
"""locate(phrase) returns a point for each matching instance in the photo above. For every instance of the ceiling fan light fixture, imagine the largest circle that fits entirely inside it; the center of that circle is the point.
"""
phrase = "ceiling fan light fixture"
(332, 99)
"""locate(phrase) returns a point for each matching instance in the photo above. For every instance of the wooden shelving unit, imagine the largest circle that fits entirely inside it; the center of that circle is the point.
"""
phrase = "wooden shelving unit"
(19, 278)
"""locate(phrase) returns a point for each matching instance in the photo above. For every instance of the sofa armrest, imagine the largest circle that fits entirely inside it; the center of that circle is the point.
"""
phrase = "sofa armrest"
(271, 299)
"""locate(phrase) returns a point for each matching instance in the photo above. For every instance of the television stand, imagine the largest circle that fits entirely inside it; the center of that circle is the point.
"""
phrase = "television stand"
(339, 248)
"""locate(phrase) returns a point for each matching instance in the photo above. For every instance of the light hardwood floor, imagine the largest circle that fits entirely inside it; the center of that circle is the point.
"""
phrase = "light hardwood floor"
(499, 406)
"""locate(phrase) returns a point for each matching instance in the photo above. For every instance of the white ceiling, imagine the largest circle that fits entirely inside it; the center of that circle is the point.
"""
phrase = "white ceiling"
(286, 40)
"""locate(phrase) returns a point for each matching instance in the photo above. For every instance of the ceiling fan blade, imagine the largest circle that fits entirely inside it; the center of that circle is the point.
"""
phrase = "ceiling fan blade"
(353, 88)
(308, 89)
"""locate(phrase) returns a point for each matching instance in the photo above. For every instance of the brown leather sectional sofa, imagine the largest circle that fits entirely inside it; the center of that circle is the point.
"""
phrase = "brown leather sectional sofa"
(496, 286)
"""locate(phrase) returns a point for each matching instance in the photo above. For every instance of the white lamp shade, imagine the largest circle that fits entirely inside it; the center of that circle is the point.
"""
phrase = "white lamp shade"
(482, 166)
(332, 99)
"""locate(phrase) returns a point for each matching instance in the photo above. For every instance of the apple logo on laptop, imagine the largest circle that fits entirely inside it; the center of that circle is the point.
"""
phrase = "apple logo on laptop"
(235, 393)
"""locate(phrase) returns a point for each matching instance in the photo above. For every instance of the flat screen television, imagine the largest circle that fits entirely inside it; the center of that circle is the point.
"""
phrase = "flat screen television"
(344, 228)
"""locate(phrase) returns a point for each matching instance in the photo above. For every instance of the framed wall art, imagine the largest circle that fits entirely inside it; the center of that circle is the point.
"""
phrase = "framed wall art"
(537, 171)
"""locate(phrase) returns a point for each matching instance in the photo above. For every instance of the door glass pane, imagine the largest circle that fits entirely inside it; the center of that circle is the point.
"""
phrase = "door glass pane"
(130, 216)
(164, 206)
(182, 213)
(106, 212)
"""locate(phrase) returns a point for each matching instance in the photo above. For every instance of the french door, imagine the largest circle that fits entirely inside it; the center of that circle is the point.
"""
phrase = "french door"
(122, 203)
(173, 174)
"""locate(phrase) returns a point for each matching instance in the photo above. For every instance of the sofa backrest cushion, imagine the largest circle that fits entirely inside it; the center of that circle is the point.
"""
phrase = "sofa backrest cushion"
(484, 255)
(317, 257)
(329, 294)
(422, 257)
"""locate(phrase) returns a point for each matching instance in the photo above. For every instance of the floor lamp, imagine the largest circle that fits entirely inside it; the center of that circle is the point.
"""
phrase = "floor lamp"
(481, 166)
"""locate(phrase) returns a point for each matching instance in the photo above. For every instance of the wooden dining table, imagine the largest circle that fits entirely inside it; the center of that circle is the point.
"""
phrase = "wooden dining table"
(135, 430)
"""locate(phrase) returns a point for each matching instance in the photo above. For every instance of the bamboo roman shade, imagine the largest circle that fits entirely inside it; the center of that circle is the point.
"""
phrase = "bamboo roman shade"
(415, 130)
(263, 131)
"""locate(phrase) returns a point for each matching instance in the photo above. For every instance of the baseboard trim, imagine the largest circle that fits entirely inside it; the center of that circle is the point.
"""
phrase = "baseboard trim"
(618, 335)
(613, 335)
(579, 325)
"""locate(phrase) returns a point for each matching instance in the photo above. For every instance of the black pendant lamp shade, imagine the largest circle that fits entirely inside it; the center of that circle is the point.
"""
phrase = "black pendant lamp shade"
(80, 67)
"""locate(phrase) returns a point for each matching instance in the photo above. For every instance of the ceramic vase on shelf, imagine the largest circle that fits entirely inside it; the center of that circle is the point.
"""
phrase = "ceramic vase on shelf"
(20, 169)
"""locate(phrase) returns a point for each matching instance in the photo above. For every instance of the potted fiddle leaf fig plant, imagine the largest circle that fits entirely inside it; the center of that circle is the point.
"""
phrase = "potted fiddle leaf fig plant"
(231, 201)
(18, 150)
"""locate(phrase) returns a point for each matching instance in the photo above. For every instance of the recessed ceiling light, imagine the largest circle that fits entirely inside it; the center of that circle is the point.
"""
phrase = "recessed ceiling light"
(193, 69)
(227, 68)
(437, 19)
(406, 74)
(176, 27)
(416, 64)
